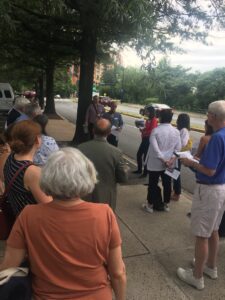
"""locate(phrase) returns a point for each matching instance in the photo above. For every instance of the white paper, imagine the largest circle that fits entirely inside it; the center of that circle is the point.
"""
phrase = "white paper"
(173, 173)
(186, 154)
(115, 131)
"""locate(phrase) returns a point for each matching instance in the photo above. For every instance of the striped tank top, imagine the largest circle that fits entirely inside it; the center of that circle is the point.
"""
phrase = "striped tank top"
(18, 196)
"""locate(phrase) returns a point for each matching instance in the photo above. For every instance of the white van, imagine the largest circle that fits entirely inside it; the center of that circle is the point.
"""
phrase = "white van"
(6, 97)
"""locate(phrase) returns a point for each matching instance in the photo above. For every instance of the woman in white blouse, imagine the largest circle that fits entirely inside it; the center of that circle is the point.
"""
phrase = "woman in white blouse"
(183, 125)
(48, 143)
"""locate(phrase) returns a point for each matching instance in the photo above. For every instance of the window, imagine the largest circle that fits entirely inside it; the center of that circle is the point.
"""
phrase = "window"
(7, 94)
(1, 94)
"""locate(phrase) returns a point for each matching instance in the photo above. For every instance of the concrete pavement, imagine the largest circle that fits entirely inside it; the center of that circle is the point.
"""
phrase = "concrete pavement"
(154, 245)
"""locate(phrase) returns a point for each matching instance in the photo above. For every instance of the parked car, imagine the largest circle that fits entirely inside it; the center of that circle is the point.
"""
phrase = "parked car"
(158, 108)
(6, 97)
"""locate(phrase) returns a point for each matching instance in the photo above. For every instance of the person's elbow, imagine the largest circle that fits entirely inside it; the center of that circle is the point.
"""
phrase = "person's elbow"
(119, 274)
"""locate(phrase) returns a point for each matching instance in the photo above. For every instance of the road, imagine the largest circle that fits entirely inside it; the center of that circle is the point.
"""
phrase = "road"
(130, 139)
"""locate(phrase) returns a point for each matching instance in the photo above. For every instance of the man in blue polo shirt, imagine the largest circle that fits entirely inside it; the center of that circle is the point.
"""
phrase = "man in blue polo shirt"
(209, 200)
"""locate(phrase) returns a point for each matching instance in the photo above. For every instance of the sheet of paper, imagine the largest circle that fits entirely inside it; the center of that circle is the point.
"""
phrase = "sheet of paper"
(114, 131)
(186, 154)
(173, 173)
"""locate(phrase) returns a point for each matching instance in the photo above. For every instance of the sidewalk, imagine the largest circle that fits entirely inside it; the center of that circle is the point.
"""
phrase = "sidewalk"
(154, 245)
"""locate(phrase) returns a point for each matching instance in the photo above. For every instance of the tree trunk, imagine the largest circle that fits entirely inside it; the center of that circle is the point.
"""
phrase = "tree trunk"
(41, 90)
(50, 103)
(87, 62)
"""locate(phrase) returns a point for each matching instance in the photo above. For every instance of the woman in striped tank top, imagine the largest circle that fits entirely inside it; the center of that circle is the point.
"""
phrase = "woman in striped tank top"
(25, 139)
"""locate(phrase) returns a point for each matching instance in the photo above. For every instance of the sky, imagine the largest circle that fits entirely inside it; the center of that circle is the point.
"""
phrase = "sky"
(198, 57)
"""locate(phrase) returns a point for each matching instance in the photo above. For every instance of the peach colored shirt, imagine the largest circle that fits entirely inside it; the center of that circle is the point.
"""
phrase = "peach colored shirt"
(68, 249)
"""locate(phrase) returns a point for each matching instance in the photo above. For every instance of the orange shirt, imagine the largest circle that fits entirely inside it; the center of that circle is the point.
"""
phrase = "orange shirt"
(67, 248)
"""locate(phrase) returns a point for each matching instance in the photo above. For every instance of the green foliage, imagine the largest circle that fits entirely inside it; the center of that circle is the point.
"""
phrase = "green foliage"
(63, 85)
(175, 86)
(151, 100)
(211, 87)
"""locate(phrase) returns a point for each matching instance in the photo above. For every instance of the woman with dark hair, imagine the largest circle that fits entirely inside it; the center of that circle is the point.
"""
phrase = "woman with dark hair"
(150, 124)
(25, 139)
(48, 143)
(204, 140)
(183, 125)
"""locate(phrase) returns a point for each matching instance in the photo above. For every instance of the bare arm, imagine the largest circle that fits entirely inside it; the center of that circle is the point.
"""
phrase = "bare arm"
(117, 272)
(31, 182)
(201, 147)
(13, 258)
(198, 167)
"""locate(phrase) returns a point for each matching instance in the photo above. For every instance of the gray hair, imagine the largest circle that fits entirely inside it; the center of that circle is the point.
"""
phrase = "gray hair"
(218, 108)
(32, 110)
(21, 102)
(68, 174)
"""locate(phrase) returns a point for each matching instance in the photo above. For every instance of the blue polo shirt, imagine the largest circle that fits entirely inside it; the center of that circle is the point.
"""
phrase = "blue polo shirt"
(213, 157)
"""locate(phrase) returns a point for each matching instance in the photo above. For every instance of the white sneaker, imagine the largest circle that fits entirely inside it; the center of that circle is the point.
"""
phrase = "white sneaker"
(188, 277)
(166, 208)
(147, 207)
(211, 273)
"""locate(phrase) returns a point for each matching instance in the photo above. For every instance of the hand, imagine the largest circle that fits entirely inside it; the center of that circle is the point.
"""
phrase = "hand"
(186, 162)
(170, 163)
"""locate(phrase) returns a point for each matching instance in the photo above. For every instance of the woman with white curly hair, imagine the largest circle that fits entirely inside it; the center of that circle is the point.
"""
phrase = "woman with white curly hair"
(73, 246)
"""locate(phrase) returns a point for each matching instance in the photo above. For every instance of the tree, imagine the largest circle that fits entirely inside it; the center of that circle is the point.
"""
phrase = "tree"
(210, 87)
(144, 25)
(43, 36)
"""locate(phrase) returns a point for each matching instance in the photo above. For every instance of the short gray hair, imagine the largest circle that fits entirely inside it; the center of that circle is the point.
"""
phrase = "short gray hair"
(218, 108)
(32, 110)
(21, 102)
(68, 174)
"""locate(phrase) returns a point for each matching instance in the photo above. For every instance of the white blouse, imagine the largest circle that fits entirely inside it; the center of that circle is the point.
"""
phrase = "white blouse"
(164, 140)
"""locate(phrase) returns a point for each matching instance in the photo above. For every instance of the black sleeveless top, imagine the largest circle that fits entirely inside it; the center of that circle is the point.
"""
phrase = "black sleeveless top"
(18, 196)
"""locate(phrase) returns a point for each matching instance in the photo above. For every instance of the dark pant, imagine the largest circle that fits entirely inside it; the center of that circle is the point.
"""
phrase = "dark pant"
(112, 140)
(154, 192)
(90, 130)
(177, 183)
(141, 154)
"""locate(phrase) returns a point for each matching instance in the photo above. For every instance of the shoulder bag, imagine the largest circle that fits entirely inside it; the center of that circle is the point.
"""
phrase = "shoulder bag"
(7, 218)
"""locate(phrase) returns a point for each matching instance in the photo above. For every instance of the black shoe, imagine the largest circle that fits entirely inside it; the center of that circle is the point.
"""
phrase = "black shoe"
(137, 172)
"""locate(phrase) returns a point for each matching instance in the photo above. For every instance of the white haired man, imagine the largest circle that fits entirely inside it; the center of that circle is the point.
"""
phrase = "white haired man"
(208, 201)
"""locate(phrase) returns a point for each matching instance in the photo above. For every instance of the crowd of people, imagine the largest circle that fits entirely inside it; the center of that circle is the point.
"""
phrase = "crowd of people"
(74, 225)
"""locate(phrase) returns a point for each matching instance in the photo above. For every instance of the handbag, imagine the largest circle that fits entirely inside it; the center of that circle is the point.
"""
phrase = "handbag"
(15, 284)
(188, 147)
(7, 217)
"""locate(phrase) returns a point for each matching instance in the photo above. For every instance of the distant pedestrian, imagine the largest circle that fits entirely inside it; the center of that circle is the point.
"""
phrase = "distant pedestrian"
(94, 112)
(150, 124)
(164, 140)
(18, 111)
(183, 125)
(108, 162)
(116, 121)
(48, 143)
(208, 203)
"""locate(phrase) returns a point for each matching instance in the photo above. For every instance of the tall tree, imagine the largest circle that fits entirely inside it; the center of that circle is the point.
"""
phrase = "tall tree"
(144, 25)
